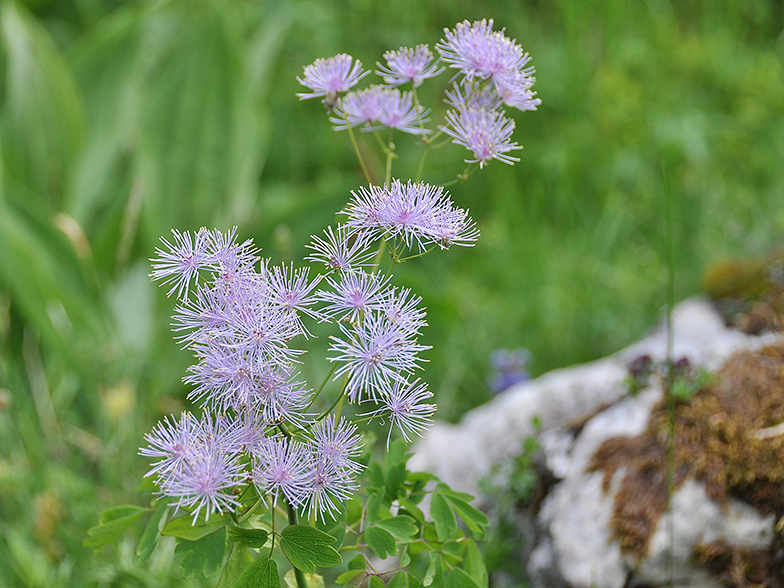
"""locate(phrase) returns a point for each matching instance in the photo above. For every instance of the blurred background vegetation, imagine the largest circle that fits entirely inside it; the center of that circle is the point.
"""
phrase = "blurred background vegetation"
(121, 120)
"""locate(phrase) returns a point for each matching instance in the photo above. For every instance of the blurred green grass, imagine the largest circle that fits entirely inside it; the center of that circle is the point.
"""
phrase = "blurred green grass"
(119, 121)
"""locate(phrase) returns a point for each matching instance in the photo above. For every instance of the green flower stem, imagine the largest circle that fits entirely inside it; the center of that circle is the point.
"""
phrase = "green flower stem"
(471, 168)
(421, 168)
(324, 414)
(301, 583)
(324, 383)
(379, 255)
(390, 156)
(356, 150)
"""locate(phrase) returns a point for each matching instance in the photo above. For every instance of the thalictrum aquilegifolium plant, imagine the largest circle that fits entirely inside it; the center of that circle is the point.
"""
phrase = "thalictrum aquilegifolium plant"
(262, 477)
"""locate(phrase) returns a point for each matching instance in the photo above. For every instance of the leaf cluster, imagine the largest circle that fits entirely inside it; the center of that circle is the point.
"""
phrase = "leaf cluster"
(424, 532)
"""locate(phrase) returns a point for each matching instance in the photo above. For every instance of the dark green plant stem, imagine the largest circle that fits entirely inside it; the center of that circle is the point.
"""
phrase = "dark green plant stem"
(301, 583)
(670, 451)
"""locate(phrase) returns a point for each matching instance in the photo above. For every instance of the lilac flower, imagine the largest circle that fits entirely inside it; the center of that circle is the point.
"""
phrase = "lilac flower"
(291, 289)
(337, 443)
(409, 210)
(453, 226)
(282, 467)
(358, 108)
(175, 442)
(408, 65)
(374, 353)
(342, 251)
(486, 133)
(405, 409)
(328, 485)
(478, 52)
(203, 465)
(181, 261)
(206, 482)
(515, 90)
(481, 96)
(416, 213)
(263, 331)
(355, 294)
(204, 317)
(329, 77)
(278, 395)
(401, 308)
(398, 111)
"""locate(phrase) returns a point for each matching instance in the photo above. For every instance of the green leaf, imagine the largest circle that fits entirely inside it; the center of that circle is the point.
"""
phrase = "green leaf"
(184, 528)
(120, 512)
(306, 548)
(398, 581)
(358, 563)
(335, 528)
(396, 478)
(375, 475)
(414, 477)
(151, 534)
(401, 527)
(311, 580)
(113, 523)
(442, 516)
(204, 556)
(435, 570)
(474, 518)
(380, 541)
(397, 454)
(373, 506)
(349, 575)
(238, 561)
(249, 537)
(453, 548)
(411, 509)
(457, 578)
(262, 573)
(475, 564)
(449, 493)
(375, 582)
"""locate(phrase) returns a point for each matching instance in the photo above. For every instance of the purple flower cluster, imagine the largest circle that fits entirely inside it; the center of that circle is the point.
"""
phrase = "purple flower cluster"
(239, 321)
(408, 65)
(493, 72)
(416, 214)
(378, 107)
(239, 315)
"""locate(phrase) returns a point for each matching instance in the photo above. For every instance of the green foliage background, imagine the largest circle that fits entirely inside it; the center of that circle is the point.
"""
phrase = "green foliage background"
(119, 121)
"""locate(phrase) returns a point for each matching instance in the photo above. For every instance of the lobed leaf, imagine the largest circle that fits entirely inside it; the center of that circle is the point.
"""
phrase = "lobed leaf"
(248, 537)
(381, 542)
(203, 557)
(262, 573)
(113, 523)
(306, 548)
(443, 517)
(184, 528)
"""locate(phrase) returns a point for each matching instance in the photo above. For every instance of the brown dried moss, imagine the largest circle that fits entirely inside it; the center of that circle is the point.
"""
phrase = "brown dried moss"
(739, 568)
(716, 441)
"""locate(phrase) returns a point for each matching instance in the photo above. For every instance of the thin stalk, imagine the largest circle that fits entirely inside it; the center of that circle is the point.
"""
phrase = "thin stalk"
(390, 156)
(421, 168)
(379, 255)
(324, 414)
(324, 383)
(301, 583)
(356, 150)
(670, 451)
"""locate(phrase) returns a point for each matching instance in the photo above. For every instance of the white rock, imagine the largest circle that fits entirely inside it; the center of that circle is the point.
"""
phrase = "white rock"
(573, 546)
